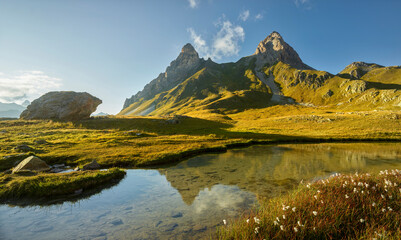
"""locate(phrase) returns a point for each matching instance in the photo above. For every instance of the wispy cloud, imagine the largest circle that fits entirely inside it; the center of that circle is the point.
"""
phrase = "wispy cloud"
(193, 3)
(225, 43)
(259, 16)
(303, 3)
(244, 15)
(26, 85)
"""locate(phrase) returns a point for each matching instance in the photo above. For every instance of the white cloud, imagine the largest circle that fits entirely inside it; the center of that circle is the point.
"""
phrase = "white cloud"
(193, 3)
(244, 15)
(26, 85)
(259, 16)
(225, 43)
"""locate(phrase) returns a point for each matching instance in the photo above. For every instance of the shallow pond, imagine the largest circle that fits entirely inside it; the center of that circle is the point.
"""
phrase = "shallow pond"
(188, 200)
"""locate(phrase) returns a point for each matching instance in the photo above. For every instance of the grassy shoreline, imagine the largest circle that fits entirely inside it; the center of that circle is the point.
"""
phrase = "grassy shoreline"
(47, 185)
(358, 206)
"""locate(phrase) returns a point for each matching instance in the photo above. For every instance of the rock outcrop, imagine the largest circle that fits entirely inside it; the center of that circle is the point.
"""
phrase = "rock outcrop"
(31, 163)
(274, 49)
(91, 166)
(186, 64)
(357, 69)
(67, 106)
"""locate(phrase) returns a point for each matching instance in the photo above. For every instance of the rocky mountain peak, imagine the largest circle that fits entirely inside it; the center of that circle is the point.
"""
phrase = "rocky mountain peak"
(274, 49)
(185, 65)
(188, 48)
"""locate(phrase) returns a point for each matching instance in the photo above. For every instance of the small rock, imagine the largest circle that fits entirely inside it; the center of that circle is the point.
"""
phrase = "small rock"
(58, 165)
(56, 170)
(117, 222)
(77, 169)
(31, 163)
(176, 215)
(79, 191)
(41, 141)
(3, 131)
(23, 148)
(91, 166)
(169, 227)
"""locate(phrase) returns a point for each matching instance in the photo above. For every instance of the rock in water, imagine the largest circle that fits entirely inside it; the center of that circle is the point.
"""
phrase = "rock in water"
(31, 163)
(91, 166)
(68, 106)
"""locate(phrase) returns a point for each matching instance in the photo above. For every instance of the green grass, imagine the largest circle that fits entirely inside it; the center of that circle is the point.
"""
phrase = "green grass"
(360, 206)
(143, 141)
(14, 187)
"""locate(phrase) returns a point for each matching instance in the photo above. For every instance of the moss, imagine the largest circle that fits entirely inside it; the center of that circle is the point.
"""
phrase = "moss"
(49, 185)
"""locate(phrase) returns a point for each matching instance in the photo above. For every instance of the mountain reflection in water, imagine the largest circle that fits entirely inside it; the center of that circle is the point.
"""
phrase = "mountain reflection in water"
(188, 200)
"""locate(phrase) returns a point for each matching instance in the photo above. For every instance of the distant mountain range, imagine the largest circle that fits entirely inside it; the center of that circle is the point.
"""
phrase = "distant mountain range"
(274, 74)
(11, 110)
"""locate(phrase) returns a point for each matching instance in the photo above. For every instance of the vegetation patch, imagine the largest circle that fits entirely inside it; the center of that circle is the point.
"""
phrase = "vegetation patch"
(355, 206)
(14, 187)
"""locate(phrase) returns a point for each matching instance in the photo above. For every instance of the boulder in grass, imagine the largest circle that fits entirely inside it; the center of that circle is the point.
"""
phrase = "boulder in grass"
(91, 166)
(66, 106)
(31, 163)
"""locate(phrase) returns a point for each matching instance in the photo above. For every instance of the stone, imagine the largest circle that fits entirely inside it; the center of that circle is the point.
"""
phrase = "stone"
(116, 222)
(66, 106)
(23, 148)
(31, 163)
(3, 131)
(77, 169)
(62, 165)
(79, 191)
(41, 141)
(91, 166)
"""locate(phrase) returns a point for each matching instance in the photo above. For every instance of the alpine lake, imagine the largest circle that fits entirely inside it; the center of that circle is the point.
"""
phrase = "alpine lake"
(190, 199)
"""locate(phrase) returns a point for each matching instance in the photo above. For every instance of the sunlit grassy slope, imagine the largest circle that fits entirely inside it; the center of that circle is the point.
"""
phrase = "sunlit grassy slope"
(219, 87)
(234, 87)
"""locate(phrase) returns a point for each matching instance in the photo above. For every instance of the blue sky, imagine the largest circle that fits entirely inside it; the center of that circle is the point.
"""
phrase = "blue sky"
(112, 48)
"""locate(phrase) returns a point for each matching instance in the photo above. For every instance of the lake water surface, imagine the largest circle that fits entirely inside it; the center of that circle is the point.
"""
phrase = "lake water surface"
(188, 200)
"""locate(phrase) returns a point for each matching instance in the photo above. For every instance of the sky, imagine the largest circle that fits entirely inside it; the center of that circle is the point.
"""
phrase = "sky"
(113, 48)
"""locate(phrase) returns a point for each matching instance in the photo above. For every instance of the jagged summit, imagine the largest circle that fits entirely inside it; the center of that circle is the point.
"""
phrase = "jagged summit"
(274, 49)
(188, 48)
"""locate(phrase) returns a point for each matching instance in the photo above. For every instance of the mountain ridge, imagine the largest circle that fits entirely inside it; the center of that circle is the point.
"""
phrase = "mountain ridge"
(273, 74)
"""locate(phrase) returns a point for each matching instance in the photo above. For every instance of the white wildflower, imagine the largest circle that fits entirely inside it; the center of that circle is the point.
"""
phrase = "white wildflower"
(362, 220)
(315, 197)
(247, 221)
(293, 209)
(256, 230)
(275, 223)
(282, 227)
(295, 229)
(283, 216)
(373, 204)
(346, 196)
(314, 213)
(224, 221)
(383, 209)
(390, 209)
(256, 220)
(278, 219)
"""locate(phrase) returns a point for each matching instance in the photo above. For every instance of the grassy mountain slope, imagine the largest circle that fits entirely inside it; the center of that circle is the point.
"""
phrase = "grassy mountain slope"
(217, 87)
(320, 88)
